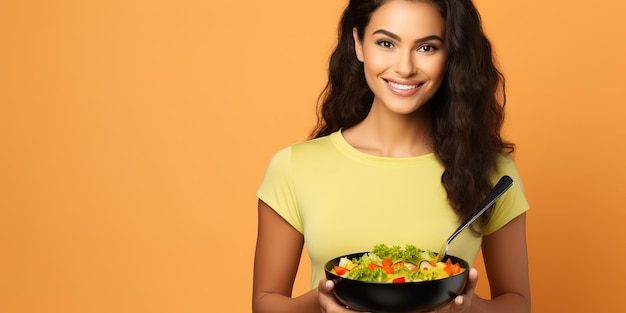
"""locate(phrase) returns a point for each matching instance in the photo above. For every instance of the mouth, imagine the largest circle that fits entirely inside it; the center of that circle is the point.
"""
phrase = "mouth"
(404, 89)
(403, 86)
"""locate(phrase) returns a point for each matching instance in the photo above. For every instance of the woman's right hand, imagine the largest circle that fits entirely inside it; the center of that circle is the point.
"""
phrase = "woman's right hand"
(327, 300)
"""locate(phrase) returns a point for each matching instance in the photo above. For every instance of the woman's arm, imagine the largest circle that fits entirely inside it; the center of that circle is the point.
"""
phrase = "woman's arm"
(506, 262)
(278, 250)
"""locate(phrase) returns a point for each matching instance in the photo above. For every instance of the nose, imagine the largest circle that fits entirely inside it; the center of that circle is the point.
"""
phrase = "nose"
(405, 65)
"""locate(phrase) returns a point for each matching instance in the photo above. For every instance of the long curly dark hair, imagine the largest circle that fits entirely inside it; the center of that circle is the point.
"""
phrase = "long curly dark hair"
(467, 111)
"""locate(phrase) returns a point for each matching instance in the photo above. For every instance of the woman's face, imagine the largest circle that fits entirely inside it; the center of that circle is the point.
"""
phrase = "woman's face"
(403, 54)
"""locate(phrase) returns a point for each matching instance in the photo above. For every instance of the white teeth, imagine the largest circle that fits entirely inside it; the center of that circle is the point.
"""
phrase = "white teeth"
(401, 87)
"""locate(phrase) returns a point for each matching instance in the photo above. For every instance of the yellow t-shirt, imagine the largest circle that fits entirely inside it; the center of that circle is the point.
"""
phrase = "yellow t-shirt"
(344, 201)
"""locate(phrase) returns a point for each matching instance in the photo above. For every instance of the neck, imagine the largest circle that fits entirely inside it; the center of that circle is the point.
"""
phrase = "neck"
(392, 135)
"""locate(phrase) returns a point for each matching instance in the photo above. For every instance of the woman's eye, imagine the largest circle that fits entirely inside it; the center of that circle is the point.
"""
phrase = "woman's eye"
(427, 48)
(385, 44)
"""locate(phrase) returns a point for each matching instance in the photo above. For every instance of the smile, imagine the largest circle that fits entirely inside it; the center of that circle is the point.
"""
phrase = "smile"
(401, 86)
(404, 90)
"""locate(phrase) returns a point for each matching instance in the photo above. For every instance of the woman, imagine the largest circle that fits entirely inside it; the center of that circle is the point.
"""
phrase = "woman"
(407, 146)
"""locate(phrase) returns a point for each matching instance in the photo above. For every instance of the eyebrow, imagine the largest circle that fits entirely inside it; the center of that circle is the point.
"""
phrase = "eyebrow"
(396, 37)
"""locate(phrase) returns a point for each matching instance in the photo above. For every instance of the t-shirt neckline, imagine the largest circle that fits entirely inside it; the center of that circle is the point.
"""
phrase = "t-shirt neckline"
(340, 142)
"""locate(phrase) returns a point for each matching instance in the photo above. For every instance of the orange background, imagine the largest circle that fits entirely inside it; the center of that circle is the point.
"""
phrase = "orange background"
(134, 134)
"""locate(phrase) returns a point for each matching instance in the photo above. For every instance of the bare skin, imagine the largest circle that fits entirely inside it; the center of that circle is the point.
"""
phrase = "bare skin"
(391, 135)
(278, 250)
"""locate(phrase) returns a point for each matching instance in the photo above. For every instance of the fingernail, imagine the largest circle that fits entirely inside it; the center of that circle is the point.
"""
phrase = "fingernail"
(329, 284)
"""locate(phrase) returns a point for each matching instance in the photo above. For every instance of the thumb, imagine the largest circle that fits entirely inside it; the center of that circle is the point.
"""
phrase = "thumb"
(326, 286)
(472, 280)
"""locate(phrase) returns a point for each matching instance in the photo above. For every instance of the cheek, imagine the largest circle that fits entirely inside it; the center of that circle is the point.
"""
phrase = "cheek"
(374, 62)
(436, 69)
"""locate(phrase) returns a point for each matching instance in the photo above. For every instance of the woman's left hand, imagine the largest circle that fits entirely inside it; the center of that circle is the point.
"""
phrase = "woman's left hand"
(328, 302)
(464, 300)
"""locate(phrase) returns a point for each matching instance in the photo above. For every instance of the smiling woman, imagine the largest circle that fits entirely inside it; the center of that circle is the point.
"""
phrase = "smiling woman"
(402, 127)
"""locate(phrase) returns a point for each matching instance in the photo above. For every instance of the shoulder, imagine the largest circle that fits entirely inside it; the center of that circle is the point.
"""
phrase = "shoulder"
(506, 164)
(513, 203)
(305, 150)
(313, 145)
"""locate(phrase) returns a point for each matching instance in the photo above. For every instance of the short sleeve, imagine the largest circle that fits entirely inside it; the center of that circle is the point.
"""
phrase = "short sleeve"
(512, 203)
(277, 189)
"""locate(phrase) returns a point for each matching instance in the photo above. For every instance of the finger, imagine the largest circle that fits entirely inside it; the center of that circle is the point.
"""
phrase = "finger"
(463, 300)
(326, 286)
(472, 281)
(325, 299)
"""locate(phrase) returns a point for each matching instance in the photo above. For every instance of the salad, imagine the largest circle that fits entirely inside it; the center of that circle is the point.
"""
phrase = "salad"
(396, 265)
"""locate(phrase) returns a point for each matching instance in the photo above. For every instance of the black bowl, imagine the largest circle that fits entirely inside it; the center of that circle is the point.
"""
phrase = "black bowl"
(397, 297)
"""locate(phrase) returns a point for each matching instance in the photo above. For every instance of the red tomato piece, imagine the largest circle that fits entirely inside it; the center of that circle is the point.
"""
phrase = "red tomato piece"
(340, 270)
(387, 262)
(456, 268)
(399, 280)
(373, 266)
